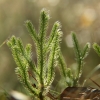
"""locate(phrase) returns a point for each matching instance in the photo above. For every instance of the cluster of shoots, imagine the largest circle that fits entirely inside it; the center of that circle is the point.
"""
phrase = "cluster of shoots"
(49, 56)
(47, 50)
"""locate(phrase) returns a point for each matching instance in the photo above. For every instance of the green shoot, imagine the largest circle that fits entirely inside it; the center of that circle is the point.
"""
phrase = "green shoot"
(71, 79)
(47, 51)
(96, 48)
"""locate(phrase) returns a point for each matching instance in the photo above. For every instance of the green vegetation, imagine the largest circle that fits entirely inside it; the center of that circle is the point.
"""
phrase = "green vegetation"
(72, 79)
(49, 56)
(96, 47)
(47, 49)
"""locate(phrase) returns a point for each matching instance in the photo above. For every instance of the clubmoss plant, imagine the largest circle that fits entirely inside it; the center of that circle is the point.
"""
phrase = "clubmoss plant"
(72, 79)
(47, 50)
(49, 56)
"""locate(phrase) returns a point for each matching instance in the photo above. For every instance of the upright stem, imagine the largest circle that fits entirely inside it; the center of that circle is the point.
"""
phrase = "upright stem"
(41, 97)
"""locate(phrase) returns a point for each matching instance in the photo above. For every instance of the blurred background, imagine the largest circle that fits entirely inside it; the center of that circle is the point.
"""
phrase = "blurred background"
(80, 16)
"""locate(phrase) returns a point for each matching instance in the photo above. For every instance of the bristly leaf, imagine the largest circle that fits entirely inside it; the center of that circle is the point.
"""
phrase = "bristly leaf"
(16, 42)
(54, 52)
(86, 50)
(96, 47)
(78, 56)
(28, 52)
(31, 30)
(76, 47)
(63, 65)
(44, 18)
(41, 54)
(66, 72)
(56, 26)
